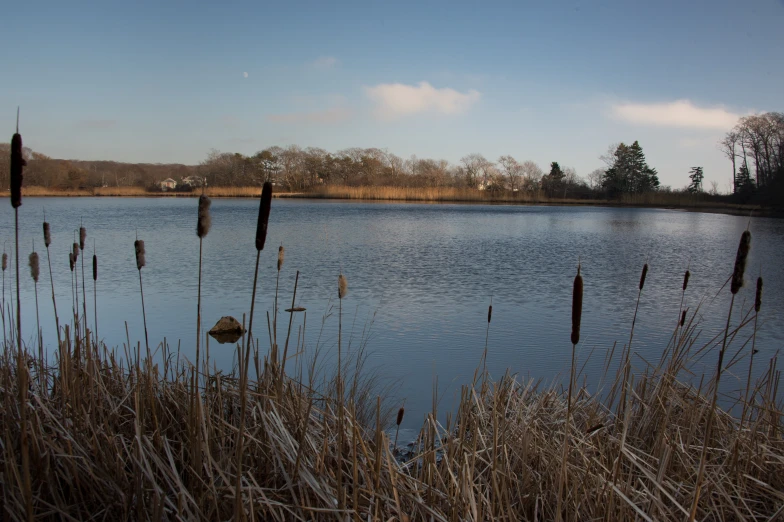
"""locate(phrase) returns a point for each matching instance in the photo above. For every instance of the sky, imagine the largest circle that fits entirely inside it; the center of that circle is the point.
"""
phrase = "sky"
(167, 81)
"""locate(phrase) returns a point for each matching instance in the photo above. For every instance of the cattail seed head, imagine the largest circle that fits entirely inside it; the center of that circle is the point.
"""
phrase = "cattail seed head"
(686, 277)
(71, 260)
(740, 262)
(140, 259)
(342, 286)
(265, 204)
(683, 317)
(281, 255)
(34, 267)
(204, 222)
(17, 164)
(758, 297)
(95, 267)
(489, 313)
(75, 251)
(643, 275)
(47, 235)
(577, 306)
(5, 261)
(400, 413)
(82, 237)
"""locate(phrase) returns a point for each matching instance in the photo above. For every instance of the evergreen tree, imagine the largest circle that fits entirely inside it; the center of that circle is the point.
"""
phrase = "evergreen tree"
(629, 173)
(696, 176)
(553, 182)
(743, 182)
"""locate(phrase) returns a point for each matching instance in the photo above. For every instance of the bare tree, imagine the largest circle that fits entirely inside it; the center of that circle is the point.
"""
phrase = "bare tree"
(512, 170)
(532, 176)
(477, 169)
(595, 178)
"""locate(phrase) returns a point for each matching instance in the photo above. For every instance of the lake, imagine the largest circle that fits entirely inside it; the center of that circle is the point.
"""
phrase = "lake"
(420, 279)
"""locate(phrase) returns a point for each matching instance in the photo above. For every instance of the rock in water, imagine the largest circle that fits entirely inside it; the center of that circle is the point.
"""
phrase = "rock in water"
(227, 330)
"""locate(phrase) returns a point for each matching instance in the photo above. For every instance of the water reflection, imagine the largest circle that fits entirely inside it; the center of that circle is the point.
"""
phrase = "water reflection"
(427, 272)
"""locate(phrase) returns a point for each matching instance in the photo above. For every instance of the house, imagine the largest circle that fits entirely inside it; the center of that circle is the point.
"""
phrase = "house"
(168, 184)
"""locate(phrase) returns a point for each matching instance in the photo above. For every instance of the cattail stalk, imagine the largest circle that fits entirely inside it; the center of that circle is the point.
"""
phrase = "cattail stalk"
(398, 421)
(342, 291)
(75, 252)
(2, 302)
(141, 261)
(737, 282)
(95, 291)
(35, 271)
(622, 404)
(281, 255)
(203, 224)
(577, 311)
(82, 239)
(47, 242)
(265, 205)
(757, 306)
(17, 165)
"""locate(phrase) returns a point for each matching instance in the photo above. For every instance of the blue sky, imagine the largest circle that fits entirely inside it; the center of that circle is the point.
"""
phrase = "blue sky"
(545, 81)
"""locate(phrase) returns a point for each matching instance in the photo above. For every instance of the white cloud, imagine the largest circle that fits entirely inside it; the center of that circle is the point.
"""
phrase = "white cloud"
(324, 62)
(329, 116)
(245, 75)
(679, 113)
(396, 99)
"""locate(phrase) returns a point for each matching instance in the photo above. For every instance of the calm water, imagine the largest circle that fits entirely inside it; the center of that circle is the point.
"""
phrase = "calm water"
(427, 273)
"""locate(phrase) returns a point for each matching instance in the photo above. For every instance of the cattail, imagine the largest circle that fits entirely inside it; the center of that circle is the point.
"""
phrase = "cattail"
(489, 313)
(265, 204)
(758, 297)
(17, 164)
(47, 235)
(686, 277)
(342, 286)
(643, 275)
(75, 252)
(400, 413)
(95, 267)
(740, 262)
(82, 237)
(34, 268)
(577, 306)
(5, 261)
(683, 317)
(140, 260)
(204, 222)
(71, 260)
(281, 255)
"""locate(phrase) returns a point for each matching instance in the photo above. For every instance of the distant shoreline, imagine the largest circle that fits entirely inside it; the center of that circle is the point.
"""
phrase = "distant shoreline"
(427, 195)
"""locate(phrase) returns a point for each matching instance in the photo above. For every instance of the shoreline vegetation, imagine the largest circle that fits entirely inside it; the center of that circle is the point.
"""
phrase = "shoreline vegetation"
(141, 432)
(683, 201)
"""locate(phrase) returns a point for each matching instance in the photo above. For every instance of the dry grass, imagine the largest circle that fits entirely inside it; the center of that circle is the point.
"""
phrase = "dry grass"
(112, 442)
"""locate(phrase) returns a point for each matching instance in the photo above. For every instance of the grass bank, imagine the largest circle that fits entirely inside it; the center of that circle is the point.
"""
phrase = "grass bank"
(424, 195)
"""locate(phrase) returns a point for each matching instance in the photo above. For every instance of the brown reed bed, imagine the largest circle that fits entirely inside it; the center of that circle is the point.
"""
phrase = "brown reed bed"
(129, 453)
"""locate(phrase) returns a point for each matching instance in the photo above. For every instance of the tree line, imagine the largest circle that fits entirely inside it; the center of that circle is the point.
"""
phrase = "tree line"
(755, 148)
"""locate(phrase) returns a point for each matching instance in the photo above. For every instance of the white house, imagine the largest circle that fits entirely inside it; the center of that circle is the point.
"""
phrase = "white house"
(168, 184)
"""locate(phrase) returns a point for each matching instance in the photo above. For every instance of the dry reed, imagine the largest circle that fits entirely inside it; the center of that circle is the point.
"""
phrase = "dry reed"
(737, 282)
(88, 467)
